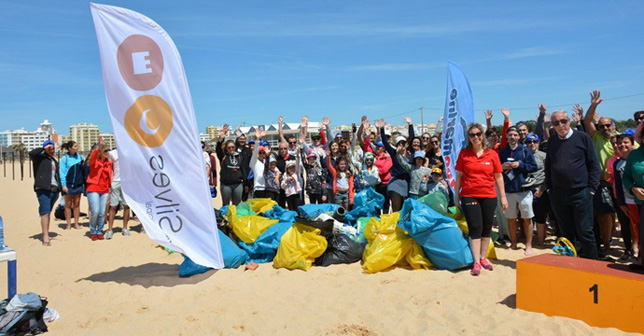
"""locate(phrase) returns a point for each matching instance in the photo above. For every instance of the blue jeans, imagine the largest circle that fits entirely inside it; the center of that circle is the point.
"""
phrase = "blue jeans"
(574, 212)
(97, 203)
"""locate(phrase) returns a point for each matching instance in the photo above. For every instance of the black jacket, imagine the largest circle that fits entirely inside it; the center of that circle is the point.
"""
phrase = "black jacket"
(42, 169)
(233, 169)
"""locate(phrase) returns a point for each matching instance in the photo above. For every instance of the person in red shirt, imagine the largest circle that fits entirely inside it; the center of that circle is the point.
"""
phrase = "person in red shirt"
(478, 170)
(98, 187)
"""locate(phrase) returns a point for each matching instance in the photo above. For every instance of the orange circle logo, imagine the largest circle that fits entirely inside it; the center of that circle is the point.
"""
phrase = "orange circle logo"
(149, 121)
(140, 62)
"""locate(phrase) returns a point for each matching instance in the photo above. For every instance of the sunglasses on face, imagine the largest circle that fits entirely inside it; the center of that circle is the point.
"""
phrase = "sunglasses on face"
(603, 126)
(231, 147)
(477, 134)
(425, 138)
(557, 122)
(530, 142)
(436, 142)
(292, 143)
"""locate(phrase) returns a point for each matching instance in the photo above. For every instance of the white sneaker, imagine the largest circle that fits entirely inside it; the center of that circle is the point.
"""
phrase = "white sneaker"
(126, 232)
(109, 234)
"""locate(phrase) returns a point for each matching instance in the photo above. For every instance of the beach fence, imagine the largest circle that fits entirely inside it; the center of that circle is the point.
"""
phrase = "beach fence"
(13, 159)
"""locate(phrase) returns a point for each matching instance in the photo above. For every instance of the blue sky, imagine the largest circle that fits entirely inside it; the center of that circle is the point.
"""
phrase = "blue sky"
(250, 61)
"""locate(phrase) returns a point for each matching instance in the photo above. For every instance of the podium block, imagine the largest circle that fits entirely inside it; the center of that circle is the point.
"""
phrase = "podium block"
(599, 293)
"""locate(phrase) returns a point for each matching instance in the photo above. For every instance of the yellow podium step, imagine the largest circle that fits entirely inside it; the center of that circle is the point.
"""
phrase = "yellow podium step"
(599, 293)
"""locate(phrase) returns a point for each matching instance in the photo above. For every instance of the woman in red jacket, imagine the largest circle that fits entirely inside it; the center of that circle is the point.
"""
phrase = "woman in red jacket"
(98, 187)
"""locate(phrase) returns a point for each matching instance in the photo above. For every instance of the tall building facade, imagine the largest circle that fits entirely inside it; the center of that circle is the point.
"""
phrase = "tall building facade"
(86, 135)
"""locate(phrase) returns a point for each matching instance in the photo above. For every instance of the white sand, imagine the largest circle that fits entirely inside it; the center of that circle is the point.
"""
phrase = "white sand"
(128, 286)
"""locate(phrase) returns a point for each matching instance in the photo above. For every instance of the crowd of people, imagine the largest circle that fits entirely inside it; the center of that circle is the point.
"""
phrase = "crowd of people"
(579, 180)
(98, 178)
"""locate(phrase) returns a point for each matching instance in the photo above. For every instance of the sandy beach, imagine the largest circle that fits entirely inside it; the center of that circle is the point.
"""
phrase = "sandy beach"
(130, 286)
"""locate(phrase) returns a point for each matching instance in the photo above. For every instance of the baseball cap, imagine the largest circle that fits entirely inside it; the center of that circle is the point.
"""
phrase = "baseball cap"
(437, 171)
(532, 137)
(290, 163)
(48, 142)
(400, 138)
(272, 159)
(419, 154)
(379, 143)
(251, 141)
(512, 129)
(312, 155)
(262, 148)
(387, 132)
(315, 135)
(369, 156)
(629, 131)
(264, 143)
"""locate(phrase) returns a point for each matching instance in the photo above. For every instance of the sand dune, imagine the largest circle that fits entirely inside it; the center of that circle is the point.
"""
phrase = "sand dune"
(129, 286)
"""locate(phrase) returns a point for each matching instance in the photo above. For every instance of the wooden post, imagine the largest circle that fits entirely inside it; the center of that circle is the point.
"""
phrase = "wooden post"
(22, 168)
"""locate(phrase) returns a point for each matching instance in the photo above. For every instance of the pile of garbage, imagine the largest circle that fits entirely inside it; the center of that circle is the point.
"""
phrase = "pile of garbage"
(424, 234)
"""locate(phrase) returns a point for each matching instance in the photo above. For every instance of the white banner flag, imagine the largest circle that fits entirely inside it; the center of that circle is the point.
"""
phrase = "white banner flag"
(162, 167)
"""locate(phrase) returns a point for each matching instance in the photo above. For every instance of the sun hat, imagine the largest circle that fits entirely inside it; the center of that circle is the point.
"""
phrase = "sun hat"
(419, 154)
(437, 171)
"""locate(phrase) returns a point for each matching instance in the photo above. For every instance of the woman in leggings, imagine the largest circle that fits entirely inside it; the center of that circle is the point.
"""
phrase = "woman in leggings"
(478, 170)
(233, 169)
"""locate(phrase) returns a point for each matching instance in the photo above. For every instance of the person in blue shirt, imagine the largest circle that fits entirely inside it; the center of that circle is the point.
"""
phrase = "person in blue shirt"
(72, 179)
(517, 161)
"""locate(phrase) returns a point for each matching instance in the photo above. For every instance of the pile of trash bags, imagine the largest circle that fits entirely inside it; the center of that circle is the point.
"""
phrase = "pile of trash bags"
(424, 234)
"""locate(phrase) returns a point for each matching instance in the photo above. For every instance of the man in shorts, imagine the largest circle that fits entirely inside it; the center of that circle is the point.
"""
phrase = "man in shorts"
(116, 198)
(46, 184)
(517, 161)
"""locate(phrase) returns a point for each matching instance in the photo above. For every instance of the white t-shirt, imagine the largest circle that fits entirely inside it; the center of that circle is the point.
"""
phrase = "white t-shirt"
(116, 171)
(53, 174)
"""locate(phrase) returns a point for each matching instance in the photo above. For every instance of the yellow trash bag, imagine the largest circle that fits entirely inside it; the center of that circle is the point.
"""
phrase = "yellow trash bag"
(416, 257)
(462, 224)
(389, 245)
(248, 228)
(261, 205)
(299, 247)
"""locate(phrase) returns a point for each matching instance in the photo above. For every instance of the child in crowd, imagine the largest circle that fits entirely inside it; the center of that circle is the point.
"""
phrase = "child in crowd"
(419, 173)
(291, 184)
(437, 184)
(342, 181)
(369, 175)
(272, 176)
(315, 179)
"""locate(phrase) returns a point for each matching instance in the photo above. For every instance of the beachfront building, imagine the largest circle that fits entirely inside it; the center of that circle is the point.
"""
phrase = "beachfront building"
(86, 135)
(212, 131)
(28, 139)
(205, 138)
(272, 133)
(108, 138)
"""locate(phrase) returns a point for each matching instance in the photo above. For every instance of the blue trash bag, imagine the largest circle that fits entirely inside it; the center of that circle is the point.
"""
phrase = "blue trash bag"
(365, 204)
(281, 214)
(263, 250)
(232, 254)
(224, 209)
(442, 240)
(312, 211)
